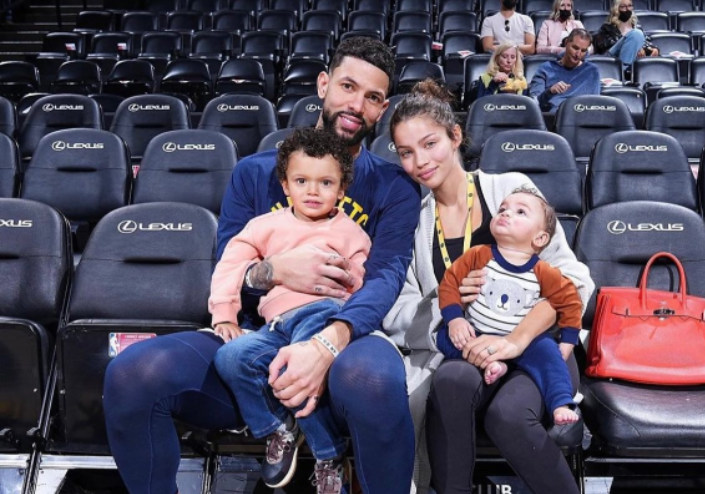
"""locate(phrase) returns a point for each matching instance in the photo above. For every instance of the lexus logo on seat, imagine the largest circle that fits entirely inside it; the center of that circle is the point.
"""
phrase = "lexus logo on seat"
(130, 226)
(51, 107)
(508, 147)
(621, 148)
(579, 108)
(671, 109)
(392, 148)
(223, 107)
(170, 147)
(617, 227)
(492, 107)
(61, 145)
(135, 107)
(313, 108)
(489, 107)
(15, 223)
(127, 226)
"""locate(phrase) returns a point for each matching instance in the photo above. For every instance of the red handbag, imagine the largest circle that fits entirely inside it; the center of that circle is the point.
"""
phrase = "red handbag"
(648, 336)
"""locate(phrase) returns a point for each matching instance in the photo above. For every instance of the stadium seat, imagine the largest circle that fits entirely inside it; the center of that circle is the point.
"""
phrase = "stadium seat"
(267, 47)
(454, 54)
(244, 118)
(283, 22)
(372, 6)
(145, 271)
(201, 5)
(56, 112)
(609, 67)
(159, 48)
(643, 429)
(77, 77)
(8, 117)
(305, 112)
(83, 173)
(414, 21)
(136, 23)
(189, 166)
(593, 19)
(301, 77)
(212, 47)
(680, 91)
(241, 76)
(9, 166)
(409, 46)
(584, 120)
(296, 6)
(674, 6)
(24, 105)
(678, 46)
(383, 147)
(473, 67)
(382, 126)
(251, 6)
(529, 6)
(633, 97)
(682, 117)
(274, 139)
(311, 45)
(500, 112)
(130, 78)
(652, 21)
(188, 77)
(324, 21)
(185, 21)
(363, 20)
(533, 63)
(690, 22)
(450, 21)
(93, 21)
(140, 118)
(339, 6)
(414, 5)
(418, 71)
(107, 48)
(36, 258)
(232, 21)
(18, 79)
(639, 165)
(654, 73)
(109, 103)
(57, 48)
(455, 6)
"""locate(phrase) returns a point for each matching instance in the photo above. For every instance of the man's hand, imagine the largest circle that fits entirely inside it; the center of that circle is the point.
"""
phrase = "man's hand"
(227, 330)
(460, 332)
(485, 349)
(471, 285)
(559, 87)
(309, 269)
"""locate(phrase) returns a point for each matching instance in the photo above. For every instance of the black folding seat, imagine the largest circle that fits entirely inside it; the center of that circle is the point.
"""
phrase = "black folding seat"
(500, 112)
(593, 19)
(189, 77)
(189, 166)
(654, 73)
(241, 76)
(533, 63)
(690, 22)
(410, 46)
(93, 21)
(455, 6)
(365, 34)
(413, 21)
(162, 6)
(372, 6)
(529, 6)
(244, 118)
(186, 23)
(202, 5)
(382, 125)
(145, 271)
(233, 21)
(57, 112)
(473, 67)
(9, 166)
(653, 21)
(274, 139)
(267, 47)
(57, 48)
(450, 21)
(682, 117)
(414, 72)
(213, 48)
(283, 22)
(140, 118)
(457, 47)
(601, 5)
(538, 18)
(35, 271)
(159, 48)
(130, 78)
(340, 6)
(109, 103)
(107, 48)
(414, 5)
(83, 173)
(383, 146)
(325, 21)
(487, 7)
(675, 6)
(311, 45)
(8, 118)
(301, 77)
(609, 67)
(286, 104)
(251, 6)
(637, 165)
(697, 72)
(368, 21)
(680, 91)
(77, 77)
(633, 97)
(677, 45)
(24, 105)
(137, 23)
(17, 79)
(547, 159)
(584, 120)
(296, 6)
(646, 430)
(305, 112)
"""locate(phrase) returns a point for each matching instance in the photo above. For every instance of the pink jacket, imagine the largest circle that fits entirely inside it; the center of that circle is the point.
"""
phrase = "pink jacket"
(552, 33)
(274, 233)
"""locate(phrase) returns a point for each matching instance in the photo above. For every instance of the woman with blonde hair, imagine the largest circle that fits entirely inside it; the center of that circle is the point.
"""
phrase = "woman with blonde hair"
(621, 37)
(505, 72)
(557, 27)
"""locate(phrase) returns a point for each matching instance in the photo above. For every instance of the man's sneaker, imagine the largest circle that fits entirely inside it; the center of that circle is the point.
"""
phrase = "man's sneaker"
(332, 476)
(279, 463)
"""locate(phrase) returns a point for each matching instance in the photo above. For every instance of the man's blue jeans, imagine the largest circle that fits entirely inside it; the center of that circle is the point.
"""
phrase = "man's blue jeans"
(244, 366)
(628, 46)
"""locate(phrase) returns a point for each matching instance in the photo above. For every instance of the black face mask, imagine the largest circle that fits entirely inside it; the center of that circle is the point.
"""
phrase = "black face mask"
(625, 16)
(564, 15)
(509, 4)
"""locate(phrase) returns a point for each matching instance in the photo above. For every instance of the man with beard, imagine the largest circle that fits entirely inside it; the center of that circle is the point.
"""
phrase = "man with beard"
(359, 375)
(509, 26)
(557, 80)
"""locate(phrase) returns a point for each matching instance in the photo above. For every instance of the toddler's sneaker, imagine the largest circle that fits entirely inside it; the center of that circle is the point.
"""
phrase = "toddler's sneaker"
(332, 476)
(279, 463)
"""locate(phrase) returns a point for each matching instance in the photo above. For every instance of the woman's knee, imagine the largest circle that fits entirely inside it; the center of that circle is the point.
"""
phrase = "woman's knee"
(635, 35)
(454, 378)
(517, 407)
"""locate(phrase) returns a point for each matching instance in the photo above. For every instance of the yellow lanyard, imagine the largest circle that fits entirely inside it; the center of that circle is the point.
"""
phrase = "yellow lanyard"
(468, 225)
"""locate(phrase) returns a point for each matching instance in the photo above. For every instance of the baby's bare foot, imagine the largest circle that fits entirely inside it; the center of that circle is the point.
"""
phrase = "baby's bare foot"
(494, 371)
(564, 415)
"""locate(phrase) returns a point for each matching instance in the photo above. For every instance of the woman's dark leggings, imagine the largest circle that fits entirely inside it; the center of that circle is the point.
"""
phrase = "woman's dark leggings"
(173, 376)
(512, 409)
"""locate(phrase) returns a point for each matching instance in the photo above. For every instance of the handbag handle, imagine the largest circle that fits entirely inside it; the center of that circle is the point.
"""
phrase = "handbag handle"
(645, 276)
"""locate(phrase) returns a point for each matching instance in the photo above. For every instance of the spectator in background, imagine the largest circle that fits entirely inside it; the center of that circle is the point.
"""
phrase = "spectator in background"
(621, 37)
(510, 26)
(557, 27)
(571, 75)
(505, 72)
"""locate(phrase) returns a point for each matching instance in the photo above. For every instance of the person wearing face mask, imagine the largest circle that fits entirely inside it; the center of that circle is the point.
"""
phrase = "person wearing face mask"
(505, 72)
(508, 25)
(556, 28)
(621, 37)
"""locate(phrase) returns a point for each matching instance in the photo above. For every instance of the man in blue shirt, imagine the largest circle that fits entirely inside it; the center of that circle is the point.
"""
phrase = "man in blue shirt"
(366, 386)
(571, 75)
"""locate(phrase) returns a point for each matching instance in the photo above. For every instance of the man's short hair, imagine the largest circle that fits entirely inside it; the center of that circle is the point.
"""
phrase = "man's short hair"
(368, 49)
(580, 33)
(316, 143)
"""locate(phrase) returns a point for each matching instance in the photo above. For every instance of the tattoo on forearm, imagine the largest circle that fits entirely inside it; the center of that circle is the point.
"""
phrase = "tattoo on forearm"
(261, 276)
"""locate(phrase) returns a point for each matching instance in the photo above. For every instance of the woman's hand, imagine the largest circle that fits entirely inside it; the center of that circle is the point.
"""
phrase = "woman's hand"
(486, 349)
(654, 52)
(227, 330)
(641, 53)
(500, 77)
